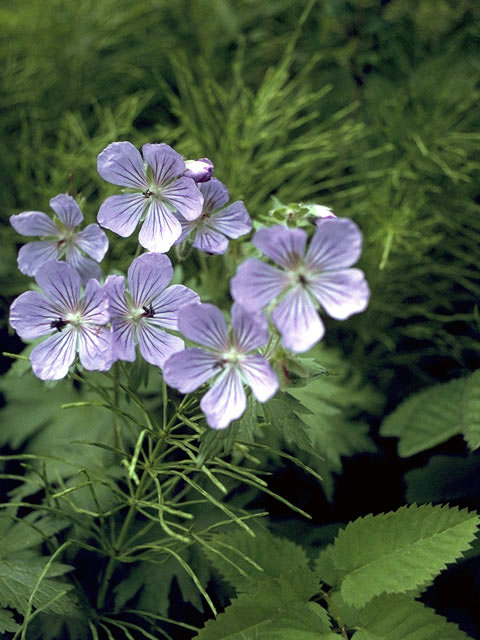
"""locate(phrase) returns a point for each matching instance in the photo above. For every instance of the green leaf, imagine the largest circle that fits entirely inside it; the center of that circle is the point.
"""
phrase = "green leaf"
(7, 623)
(18, 579)
(444, 479)
(399, 551)
(269, 600)
(426, 418)
(27, 533)
(273, 554)
(394, 617)
(281, 413)
(471, 410)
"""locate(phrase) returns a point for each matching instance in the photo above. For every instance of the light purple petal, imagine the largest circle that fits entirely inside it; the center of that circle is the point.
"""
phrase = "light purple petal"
(61, 283)
(337, 243)
(32, 255)
(260, 377)
(148, 275)
(189, 369)
(114, 287)
(122, 213)
(160, 228)
(210, 241)
(250, 329)
(164, 162)
(215, 195)
(284, 246)
(86, 267)
(256, 284)
(169, 303)
(67, 210)
(93, 241)
(31, 315)
(123, 339)
(95, 348)
(233, 221)
(94, 305)
(298, 321)
(205, 324)
(52, 358)
(34, 223)
(121, 163)
(341, 293)
(226, 400)
(156, 345)
(185, 196)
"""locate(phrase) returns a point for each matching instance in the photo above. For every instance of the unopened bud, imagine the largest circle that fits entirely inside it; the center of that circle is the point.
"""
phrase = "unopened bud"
(200, 170)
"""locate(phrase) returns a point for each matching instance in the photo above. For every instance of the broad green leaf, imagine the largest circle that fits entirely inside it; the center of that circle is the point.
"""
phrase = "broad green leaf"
(395, 617)
(426, 418)
(270, 599)
(18, 579)
(399, 551)
(7, 622)
(230, 553)
(471, 410)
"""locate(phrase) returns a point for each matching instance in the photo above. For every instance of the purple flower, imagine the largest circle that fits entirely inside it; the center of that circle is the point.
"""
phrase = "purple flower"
(73, 323)
(200, 170)
(216, 221)
(82, 249)
(142, 314)
(156, 192)
(231, 360)
(308, 278)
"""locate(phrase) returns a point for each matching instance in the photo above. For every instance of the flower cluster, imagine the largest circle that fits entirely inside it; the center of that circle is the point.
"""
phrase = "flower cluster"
(177, 202)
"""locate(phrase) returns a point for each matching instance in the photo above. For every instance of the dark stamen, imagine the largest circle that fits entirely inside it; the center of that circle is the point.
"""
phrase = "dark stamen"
(58, 324)
(149, 311)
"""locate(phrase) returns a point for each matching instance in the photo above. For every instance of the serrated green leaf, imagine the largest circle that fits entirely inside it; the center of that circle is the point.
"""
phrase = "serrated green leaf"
(471, 410)
(426, 418)
(399, 551)
(7, 622)
(325, 566)
(273, 554)
(281, 413)
(394, 617)
(19, 535)
(444, 479)
(254, 611)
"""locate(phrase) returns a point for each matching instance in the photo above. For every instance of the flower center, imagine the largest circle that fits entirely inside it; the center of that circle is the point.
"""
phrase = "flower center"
(142, 312)
(232, 357)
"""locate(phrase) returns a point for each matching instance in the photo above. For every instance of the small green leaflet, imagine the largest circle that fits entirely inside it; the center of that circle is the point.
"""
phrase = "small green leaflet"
(471, 410)
(7, 622)
(397, 551)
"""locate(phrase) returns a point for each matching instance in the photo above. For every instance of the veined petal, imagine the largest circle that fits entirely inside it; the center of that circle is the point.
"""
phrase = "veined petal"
(157, 345)
(260, 377)
(284, 246)
(256, 284)
(187, 228)
(210, 240)
(122, 213)
(250, 329)
(160, 228)
(233, 221)
(189, 369)
(95, 348)
(32, 314)
(67, 210)
(123, 339)
(32, 255)
(93, 241)
(205, 324)
(298, 321)
(61, 283)
(185, 196)
(169, 303)
(337, 243)
(34, 223)
(52, 358)
(225, 401)
(94, 304)
(121, 163)
(215, 194)
(114, 287)
(148, 275)
(86, 267)
(341, 293)
(165, 163)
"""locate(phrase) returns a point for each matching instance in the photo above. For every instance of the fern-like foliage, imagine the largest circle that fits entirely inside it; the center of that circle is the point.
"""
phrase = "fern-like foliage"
(395, 552)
